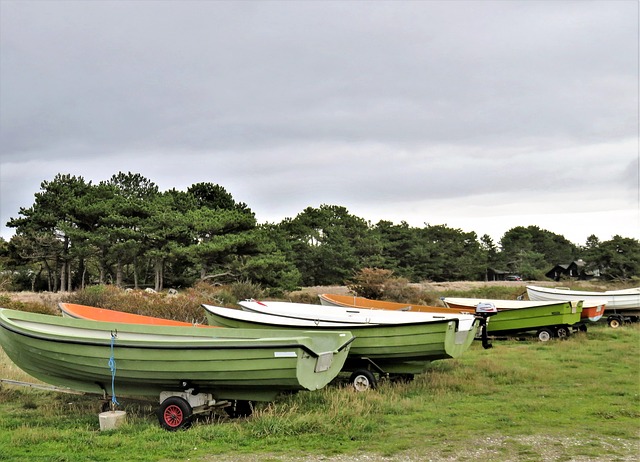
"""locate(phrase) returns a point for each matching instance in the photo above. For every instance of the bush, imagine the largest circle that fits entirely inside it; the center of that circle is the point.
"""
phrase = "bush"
(370, 282)
(379, 284)
(32, 307)
(180, 307)
(304, 297)
(100, 296)
(245, 290)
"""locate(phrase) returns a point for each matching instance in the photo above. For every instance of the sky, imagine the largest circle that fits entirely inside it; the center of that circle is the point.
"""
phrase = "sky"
(478, 115)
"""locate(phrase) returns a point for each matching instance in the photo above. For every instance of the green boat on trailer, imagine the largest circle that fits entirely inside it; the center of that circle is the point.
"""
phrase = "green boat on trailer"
(392, 350)
(192, 370)
(547, 321)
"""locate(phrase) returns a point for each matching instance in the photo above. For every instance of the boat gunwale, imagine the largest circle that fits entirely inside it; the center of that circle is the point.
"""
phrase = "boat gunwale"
(347, 325)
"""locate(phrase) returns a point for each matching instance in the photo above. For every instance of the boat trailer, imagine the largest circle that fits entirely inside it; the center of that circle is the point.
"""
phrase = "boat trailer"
(363, 377)
(177, 408)
(617, 319)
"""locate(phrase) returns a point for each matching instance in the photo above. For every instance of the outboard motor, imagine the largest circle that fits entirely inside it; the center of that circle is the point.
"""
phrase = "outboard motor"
(483, 312)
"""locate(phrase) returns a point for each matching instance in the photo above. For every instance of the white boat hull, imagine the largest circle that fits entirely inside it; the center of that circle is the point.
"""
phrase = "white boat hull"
(615, 300)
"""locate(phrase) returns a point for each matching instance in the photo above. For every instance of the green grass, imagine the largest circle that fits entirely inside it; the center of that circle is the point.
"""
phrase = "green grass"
(521, 400)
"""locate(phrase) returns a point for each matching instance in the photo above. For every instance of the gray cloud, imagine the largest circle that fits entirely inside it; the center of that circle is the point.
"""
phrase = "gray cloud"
(362, 104)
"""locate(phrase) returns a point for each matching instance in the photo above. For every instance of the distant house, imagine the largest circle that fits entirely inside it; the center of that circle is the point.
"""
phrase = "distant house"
(499, 275)
(575, 269)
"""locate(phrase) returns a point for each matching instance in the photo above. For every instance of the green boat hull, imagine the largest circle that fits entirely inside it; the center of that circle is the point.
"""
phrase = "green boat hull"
(534, 318)
(401, 349)
(228, 363)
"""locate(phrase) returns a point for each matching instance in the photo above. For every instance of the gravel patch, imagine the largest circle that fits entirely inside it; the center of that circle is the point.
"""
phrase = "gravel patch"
(502, 448)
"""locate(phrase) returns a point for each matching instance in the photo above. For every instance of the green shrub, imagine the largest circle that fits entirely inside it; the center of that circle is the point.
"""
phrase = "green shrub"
(244, 290)
(370, 282)
(98, 295)
(304, 297)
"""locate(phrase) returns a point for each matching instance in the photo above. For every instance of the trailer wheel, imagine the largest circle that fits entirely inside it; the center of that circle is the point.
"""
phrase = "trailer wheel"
(614, 322)
(363, 380)
(544, 335)
(175, 413)
(562, 332)
(239, 408)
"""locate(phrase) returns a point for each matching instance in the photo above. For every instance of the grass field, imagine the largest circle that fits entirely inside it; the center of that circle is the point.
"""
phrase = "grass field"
(571, 400)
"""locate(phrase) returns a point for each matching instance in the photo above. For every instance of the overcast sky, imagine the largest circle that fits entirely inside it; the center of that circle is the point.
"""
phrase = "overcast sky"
(481, 115)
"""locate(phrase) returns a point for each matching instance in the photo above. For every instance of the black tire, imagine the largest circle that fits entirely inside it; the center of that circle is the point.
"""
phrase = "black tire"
(239, 408)
(562, 332)
(544, 335)
(175, 414)
(614, 322)
(363, 380)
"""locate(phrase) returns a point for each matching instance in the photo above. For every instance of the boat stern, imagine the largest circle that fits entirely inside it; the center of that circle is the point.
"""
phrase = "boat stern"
(457, 339)
(317, 368)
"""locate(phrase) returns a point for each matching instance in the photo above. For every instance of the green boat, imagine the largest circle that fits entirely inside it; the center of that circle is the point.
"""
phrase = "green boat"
(547, 321)
(404, 347)
(169, 361)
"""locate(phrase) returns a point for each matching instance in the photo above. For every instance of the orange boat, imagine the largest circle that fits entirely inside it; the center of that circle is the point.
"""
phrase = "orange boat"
(351, 301)
(73, 310)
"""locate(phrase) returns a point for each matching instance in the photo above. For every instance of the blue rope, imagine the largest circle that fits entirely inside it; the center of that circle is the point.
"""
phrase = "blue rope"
(112, 366)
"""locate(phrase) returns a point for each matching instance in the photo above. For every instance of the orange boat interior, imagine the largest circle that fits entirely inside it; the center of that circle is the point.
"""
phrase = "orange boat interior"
(102, 314)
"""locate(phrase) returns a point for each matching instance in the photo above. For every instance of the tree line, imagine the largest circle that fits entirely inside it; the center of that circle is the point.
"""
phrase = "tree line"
(125, 231)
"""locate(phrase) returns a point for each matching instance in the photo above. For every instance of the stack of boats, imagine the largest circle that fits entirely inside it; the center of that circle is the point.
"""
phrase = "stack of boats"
(267, 348)
(388, 343)
(241, 357)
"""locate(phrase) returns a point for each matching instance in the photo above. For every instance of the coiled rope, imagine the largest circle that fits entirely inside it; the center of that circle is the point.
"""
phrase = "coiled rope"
(112, 366)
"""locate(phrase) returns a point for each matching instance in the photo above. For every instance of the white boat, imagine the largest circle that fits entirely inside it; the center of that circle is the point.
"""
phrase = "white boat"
(338, 316)
(625, 299)
(621, 305)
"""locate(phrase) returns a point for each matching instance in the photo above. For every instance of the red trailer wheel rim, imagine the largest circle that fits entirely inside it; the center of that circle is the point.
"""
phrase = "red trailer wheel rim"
(173, 415)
